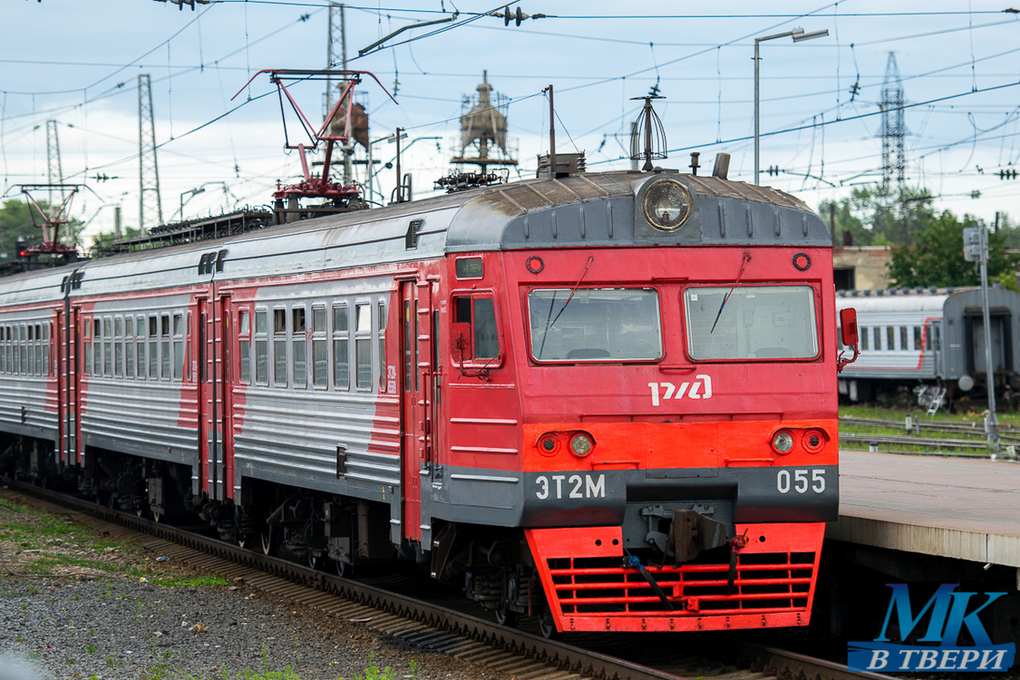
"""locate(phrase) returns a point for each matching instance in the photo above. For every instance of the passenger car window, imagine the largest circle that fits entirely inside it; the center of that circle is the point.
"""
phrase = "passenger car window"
(320, 363)
(363, 345)
(244, 343)
(261, 348)
(341, 349)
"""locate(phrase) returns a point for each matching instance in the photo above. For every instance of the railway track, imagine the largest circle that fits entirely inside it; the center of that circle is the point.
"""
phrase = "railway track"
(444, 629)
(972, 437)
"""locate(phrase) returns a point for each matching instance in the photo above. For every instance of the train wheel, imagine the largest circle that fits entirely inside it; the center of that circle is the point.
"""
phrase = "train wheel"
(157, 517)
(316, 561)
(508, 617)
(343, 569)
(547, 625)
(248, 541)
(271, 540)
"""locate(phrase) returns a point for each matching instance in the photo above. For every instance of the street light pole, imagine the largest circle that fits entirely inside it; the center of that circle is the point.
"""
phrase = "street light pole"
(798, 35)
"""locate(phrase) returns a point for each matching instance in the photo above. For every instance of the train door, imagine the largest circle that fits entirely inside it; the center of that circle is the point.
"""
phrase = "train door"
(70, 371)
(59, 355)
(205, 393)
(418, 402)
(225, 406)
(213, 327)
(976, 332)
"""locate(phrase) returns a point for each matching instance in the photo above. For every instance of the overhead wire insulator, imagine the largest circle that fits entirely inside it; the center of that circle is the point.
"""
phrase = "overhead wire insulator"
(518, 16)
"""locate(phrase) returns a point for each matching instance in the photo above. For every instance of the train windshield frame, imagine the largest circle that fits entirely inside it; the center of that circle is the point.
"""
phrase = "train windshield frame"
(591, 325)
(751, 323)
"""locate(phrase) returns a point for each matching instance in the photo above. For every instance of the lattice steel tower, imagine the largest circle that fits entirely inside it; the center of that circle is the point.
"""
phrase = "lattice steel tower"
(150, 209)
(54, 175)
(337, 39)
(893, 130)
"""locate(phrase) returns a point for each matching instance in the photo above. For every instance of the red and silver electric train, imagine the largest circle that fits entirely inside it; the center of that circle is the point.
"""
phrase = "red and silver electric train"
(607, 400)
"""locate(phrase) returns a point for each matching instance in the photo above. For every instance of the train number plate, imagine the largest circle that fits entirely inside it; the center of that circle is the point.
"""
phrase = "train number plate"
(570, 486)
(800, 481)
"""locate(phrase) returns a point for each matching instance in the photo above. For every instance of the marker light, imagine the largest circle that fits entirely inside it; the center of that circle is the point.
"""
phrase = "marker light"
(813, 441)
(782, 441)
(581, 445)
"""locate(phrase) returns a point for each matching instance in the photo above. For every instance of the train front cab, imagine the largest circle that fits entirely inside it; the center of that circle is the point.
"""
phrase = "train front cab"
(680, 435)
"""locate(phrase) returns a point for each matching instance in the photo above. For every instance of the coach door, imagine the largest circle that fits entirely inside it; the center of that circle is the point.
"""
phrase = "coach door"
(62, 355)
(975, 328)
(68, 345)
(418, 401)
(212, 360)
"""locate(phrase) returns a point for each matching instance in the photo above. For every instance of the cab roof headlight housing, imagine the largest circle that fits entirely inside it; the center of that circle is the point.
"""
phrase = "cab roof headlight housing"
(667, 204)
(581, 444)
(782, 442)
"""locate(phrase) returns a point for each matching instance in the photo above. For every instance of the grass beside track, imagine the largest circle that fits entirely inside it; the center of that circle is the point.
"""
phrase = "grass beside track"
(38, 549)
(1009, 426)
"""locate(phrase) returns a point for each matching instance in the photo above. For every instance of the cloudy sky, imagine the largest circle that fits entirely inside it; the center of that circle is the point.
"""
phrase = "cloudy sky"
(78, 64)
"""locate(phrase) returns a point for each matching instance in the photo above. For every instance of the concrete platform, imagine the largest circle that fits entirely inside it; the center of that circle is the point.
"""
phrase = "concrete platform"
(967, 509)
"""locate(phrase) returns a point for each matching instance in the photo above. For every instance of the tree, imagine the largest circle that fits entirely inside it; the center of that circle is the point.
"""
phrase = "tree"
(845, 221)
(874, 218)
(105, 239)
(15, 223)
(936, 259)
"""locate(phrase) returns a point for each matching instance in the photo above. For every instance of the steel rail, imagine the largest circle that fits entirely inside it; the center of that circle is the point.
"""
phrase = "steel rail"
(975, 428)
(784, 664)
(906, 440)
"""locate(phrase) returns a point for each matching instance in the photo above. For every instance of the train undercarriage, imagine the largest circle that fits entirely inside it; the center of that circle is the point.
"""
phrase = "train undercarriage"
(682, 568)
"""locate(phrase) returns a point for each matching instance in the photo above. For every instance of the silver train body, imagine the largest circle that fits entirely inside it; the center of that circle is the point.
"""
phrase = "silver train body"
(931, 336)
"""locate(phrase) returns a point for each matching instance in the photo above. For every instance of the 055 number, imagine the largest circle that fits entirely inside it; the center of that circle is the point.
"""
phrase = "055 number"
(800, 481)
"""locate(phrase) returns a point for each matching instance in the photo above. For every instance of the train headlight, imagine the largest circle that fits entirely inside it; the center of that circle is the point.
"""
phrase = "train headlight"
(667, 204)
(814, 440)
(581, 444)
(782, 441)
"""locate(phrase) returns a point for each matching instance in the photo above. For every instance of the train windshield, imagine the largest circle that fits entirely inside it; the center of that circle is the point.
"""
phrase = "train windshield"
(595, 324)
(751, 322)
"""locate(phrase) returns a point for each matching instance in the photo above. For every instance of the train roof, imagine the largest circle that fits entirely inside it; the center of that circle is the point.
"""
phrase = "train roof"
(581, 210)
(925, 300)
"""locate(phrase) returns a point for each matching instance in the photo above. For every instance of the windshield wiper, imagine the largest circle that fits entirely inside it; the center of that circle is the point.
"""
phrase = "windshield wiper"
(549, 322)
(743, 265)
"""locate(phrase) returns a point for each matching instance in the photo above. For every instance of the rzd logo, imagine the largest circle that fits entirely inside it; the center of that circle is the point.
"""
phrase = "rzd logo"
(670, 391)
(948, 612)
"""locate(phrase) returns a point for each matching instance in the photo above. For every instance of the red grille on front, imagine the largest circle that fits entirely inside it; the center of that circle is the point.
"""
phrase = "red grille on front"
(765, 582)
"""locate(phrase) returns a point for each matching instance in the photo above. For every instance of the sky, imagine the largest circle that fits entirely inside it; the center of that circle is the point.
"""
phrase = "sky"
(78, 64)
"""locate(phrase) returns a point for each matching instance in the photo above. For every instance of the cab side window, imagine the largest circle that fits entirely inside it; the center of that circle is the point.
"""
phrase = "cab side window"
(476, 333)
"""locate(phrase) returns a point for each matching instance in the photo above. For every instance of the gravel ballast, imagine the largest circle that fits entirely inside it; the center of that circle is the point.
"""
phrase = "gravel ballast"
(75, 623)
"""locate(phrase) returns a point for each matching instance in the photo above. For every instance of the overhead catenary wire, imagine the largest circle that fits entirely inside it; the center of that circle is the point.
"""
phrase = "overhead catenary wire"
(665, 75)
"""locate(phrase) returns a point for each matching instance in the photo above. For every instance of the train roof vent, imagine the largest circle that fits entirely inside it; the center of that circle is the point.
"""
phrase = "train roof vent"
(566, 164)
